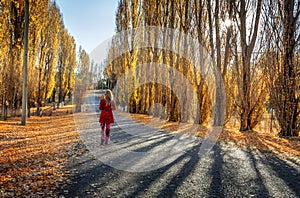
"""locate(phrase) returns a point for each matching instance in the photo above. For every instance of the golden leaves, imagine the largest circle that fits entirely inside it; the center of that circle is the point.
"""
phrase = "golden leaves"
(31, 156)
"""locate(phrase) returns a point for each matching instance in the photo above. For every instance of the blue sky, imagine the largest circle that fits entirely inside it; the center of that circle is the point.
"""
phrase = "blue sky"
(89, 21)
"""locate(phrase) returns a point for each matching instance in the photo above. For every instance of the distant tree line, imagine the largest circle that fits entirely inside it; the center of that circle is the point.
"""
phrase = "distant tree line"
(253, 44)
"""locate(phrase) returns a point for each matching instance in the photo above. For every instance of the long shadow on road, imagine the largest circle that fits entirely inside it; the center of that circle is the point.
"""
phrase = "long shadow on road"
(177, 179)
(187, 176)
(285, 172)
(225, 171)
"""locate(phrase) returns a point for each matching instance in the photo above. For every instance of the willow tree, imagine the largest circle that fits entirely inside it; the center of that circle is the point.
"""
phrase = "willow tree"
(12, 80)
(248, 100)
(283, 20)
(82, 78)
(4, 54)
(51, 57)
(71, 67)
(66, 63)
(221, 33)
(47, 43)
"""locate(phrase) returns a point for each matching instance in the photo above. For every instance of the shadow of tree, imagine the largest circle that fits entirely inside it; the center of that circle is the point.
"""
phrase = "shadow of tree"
(225, 174)
(216, 188)
(169, 190)
(286, 172)
(93, 177)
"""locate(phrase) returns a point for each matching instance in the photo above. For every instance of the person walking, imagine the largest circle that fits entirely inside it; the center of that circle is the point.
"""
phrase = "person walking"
(106, 106)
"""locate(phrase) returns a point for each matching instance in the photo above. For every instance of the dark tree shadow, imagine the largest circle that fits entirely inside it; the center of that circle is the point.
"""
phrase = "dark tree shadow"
(225, 179)
(262, 190)
(286, 172)
(216, 188)
(85, 170)
(169, 190)
(289, 174)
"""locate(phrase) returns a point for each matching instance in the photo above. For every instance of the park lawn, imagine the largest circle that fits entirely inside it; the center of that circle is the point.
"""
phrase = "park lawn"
(32, 156)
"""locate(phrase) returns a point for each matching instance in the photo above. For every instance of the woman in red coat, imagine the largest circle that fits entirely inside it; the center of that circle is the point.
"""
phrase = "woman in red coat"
(106, 106)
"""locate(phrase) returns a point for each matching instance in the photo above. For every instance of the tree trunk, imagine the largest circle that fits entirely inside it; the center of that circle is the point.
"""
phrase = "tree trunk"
(28, 111)
(172, 97)
(246, 103)
(5, 108)
(288, 121)
(25, 66)
(247, 49)
(38, 101)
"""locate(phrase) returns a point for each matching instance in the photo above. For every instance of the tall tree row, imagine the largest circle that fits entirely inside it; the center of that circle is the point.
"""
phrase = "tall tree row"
(12, 13)
(51, 54)
(187, 16)
(240, 38)
(134, 14)
(66, 64)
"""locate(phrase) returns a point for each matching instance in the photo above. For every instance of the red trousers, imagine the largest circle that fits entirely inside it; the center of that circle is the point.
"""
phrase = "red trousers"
(105, 131)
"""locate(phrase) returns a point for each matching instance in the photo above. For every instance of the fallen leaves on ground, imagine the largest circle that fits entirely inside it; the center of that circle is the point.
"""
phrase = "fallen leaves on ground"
(32, 156)
(266, 142)
(255, 140)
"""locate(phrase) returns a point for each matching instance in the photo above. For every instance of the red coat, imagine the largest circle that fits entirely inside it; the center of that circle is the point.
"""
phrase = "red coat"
(106, 115)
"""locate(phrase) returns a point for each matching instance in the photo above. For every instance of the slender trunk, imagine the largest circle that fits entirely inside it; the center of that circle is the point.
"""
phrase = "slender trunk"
(227, 44)
(60, 84)
(172, 97)
(38, 101)
(4, 107)
(28, 111)
(216, 60)
(218, 40)
(246, 103)
(247, 49)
